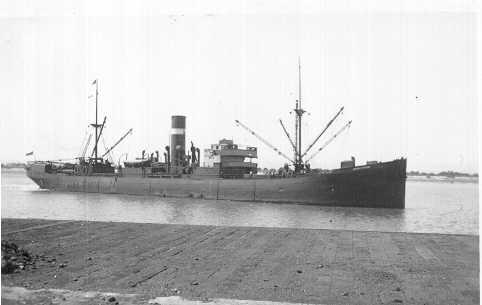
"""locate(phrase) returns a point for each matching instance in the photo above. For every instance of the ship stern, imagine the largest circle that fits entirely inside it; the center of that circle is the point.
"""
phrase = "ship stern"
(36, 172)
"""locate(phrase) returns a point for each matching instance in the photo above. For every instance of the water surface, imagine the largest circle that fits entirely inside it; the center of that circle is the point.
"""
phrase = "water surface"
(431, 207)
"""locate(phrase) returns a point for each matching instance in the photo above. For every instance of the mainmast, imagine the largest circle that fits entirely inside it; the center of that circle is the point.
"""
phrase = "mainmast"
(297, 161)
(299, 113)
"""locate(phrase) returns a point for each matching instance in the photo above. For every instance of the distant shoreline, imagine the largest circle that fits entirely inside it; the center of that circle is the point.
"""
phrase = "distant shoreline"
(13, 165)
(463, 179)
(13, 169)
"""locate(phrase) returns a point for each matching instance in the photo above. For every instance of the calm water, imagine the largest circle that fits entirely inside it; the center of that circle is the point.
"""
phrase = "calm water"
(431, 207)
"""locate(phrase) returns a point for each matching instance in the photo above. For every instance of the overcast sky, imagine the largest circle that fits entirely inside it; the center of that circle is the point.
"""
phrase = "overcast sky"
(406, 75)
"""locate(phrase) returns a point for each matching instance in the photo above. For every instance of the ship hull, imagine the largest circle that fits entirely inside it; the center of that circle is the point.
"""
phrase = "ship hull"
(379, 185)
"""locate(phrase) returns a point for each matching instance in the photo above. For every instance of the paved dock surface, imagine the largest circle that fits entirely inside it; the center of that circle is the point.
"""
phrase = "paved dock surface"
(241, 263)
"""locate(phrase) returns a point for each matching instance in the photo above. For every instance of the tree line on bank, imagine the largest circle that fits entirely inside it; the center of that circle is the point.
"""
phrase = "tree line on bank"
(449, 174)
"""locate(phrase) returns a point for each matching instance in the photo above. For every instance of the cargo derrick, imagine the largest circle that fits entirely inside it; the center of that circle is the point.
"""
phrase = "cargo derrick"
(96, 164)
(299, 165)
(117, 143)
(84, 151)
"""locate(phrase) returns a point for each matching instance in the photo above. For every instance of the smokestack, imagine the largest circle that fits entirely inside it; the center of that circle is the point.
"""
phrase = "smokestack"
(178, 139)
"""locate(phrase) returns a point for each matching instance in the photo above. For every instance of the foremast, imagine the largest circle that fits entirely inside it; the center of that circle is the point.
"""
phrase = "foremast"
(96, 125)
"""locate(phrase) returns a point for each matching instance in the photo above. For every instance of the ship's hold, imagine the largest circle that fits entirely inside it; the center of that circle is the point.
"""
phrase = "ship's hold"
(178, 139)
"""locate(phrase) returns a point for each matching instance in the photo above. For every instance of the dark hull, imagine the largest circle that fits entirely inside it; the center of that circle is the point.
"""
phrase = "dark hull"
(378, 185)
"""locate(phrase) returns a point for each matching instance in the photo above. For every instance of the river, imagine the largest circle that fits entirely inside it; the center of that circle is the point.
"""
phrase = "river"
(431, 207)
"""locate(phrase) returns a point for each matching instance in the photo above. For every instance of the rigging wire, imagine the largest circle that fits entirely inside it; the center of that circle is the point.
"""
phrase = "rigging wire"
(83, 142)
(109, 153)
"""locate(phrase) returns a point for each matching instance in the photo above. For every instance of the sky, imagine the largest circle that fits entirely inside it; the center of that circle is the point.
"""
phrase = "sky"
(405, 71)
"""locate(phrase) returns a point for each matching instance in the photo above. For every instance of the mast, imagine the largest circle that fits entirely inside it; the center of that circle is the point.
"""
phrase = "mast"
(296, 135)
(299, 113)
(96, 97)
(96, 124)
(99, 135)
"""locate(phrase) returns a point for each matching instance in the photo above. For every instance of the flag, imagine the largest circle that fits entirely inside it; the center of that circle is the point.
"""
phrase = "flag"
(94, 82)
(29, 154)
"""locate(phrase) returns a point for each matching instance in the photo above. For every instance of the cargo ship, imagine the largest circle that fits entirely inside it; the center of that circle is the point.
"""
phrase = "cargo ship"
(228, 172)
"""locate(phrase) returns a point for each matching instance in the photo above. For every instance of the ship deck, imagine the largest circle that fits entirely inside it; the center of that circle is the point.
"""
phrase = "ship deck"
(143, 261)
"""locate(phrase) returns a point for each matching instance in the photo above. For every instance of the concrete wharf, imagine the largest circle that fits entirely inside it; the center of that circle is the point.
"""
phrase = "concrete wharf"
(139, 262)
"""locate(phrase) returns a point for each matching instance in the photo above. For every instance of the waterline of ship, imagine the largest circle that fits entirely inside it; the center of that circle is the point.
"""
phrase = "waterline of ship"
(431, 207)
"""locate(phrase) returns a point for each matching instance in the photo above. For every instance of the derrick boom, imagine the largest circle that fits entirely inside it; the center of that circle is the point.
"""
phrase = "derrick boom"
(264, 141)
(117, 143)
(326, 127)
(86, 146)
(288, 135)
(329, 140)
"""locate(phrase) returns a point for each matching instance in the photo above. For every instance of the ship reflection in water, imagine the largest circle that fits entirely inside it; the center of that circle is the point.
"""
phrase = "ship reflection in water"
(430, 208)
